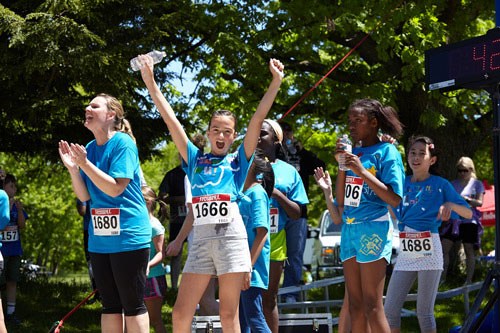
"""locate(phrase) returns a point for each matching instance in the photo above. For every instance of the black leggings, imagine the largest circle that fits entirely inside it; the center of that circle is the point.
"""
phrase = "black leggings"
(120, 279)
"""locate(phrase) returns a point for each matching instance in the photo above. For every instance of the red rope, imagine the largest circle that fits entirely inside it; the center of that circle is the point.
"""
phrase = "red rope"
(72, 311)
(341, 60)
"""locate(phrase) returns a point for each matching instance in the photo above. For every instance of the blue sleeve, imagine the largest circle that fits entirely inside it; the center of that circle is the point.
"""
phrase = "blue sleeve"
(124, 160)
(244, 165)
(260, 211)
(480, 187)
(192, 153)
(4, 209)
(392, 171)
(25, 215)
(298, 192)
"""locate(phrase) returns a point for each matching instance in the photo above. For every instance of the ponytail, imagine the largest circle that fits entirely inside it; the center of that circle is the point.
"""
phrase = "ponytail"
(120, 123)
(263, 167)
(387, 117)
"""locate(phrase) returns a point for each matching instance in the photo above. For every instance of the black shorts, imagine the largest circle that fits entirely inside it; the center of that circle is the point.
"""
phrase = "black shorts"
(173, 230)
(121, 279)
(469, 233)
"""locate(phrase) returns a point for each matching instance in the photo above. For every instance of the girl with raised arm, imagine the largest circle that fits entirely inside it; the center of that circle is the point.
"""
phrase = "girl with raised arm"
(219, 242)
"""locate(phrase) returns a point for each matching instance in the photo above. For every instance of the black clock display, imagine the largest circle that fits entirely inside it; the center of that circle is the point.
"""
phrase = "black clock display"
(472, 63)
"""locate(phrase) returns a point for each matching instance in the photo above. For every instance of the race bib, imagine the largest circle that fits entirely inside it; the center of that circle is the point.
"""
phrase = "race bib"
(353, 190)
(274, 217)
(10, 234)
(213, 209)
(106, 221)
(414, 245)
(181, 210)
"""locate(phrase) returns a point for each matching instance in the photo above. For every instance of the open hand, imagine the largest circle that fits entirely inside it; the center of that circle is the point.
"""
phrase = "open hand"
(79, 154)
(67, 156)
(323, 179)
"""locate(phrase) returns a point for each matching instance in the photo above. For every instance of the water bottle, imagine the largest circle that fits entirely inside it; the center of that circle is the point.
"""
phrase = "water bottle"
(347, 148)
(156, 55)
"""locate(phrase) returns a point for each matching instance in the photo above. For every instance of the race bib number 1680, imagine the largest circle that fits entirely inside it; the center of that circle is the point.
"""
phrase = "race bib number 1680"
(106, 221)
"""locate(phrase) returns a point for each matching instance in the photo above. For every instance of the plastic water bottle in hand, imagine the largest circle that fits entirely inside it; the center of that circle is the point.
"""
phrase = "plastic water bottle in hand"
(347, 148)
(156, 55)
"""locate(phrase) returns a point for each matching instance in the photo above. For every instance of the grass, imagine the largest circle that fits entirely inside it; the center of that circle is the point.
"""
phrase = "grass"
(44, 301)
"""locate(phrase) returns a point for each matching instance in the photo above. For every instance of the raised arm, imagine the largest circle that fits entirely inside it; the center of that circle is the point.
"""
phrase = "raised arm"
(253, 131)
(167, 113)
(325, 183)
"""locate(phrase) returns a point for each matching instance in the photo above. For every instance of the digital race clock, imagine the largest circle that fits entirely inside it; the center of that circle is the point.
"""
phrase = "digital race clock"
(472, 63)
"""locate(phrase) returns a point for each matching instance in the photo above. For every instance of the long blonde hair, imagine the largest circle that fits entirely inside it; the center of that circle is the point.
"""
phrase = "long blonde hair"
(466, 162)
(120, 123)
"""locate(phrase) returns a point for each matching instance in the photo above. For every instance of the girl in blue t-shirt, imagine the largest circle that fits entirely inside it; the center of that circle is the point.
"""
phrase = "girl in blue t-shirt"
(286, 200)
(427, 200)
(107, 173)
(217, 178)
(258, 188)
(373, 181)
(4, 219)
(156, 283)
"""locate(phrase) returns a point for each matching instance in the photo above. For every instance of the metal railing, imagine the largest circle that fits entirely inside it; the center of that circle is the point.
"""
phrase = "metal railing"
(304, 304)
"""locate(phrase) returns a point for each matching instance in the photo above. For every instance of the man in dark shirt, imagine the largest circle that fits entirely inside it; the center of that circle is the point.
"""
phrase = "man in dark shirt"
(172, 193)
(296, 230)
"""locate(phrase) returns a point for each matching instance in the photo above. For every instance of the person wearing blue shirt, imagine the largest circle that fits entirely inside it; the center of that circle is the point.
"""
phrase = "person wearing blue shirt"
(427, 201)
(258, 187)
(107, 173)
(374, 181)
(4, 219)
(12, 248)
(217, 178)
(285, 203)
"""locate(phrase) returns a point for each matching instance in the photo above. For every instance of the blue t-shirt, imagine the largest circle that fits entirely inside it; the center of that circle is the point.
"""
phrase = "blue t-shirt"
(383, 160)
(210, 174)
(255, 214)
(86, 217)
(287, 180)
(4, 210)
(419, 207)
(157, 229)
(119, 158)
(13, 248)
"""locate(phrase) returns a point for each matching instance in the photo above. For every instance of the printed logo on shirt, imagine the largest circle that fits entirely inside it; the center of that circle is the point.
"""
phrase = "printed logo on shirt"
(371, 244)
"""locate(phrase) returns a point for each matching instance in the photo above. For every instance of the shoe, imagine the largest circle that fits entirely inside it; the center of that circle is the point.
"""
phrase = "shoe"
(290, 299)
(13, 319)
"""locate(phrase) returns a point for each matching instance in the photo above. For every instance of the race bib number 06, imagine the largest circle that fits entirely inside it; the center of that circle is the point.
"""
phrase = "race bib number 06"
(212, 209)
(274, 217)
(415, 244)
(106, 221)
(353, 190)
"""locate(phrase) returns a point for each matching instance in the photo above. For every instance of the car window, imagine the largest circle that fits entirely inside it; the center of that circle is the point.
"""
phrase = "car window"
(330, 228)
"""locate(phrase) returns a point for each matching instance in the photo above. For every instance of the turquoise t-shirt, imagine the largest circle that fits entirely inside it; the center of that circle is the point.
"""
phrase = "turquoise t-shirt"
(119, 158)
(287, 180)
(419, 207)
(157, 229)
(210, 174)
(255, 214)
(4, 211)
(384, 161)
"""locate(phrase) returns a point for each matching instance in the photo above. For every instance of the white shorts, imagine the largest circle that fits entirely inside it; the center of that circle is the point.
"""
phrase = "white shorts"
(218, 256)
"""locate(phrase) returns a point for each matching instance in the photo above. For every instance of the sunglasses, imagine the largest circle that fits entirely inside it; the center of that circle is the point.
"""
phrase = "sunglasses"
(463, 170)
